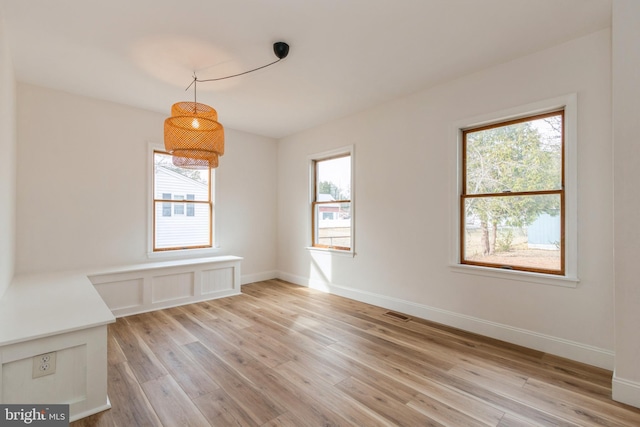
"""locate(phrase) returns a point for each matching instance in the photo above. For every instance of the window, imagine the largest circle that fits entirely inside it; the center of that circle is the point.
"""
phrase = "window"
(512, 202)
(180, 224)
(332, 203)
(178, 208)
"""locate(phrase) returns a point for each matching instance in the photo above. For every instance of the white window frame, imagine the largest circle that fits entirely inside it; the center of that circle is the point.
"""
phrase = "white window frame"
(569, 104)
(177, 253)
(348, 150)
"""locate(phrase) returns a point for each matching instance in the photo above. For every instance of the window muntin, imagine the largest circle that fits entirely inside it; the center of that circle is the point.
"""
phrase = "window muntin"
(331, 205)
(512, 199)
(172, 228)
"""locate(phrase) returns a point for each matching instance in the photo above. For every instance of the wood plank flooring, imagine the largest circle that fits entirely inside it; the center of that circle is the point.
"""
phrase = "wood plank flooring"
(284, 355)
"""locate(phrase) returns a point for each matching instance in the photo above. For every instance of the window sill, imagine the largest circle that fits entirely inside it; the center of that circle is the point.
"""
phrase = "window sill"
(330, 251)
(521, 276)
(183, 253)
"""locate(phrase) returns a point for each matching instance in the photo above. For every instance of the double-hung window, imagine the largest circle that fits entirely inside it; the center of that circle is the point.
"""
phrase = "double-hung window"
(332, 200)
(512, 201)
(182, 205)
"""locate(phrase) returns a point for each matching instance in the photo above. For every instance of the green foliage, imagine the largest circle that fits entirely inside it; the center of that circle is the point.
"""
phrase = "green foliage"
(327, 187)
(505, 241)
(509, 159)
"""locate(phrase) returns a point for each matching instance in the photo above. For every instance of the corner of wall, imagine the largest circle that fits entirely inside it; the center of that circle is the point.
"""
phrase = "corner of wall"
(625, 105)
(624, 391)
(8, 146)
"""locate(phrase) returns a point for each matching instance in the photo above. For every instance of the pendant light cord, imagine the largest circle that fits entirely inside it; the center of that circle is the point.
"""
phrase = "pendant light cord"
(239, 74)
(196, 79)
(195, 91)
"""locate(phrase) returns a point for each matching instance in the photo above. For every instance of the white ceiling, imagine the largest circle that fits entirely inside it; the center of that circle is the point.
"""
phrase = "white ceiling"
(346, 55)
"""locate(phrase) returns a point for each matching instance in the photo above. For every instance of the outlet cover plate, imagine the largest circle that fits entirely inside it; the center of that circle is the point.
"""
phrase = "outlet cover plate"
(44, 364)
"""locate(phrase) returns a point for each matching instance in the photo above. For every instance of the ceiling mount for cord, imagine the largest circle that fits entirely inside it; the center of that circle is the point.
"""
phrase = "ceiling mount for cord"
(281, 49)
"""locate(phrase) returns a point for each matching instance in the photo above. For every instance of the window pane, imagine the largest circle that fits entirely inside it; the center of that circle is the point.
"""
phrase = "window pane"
(182, 231)
(333, 225)
(190, 207)
(524, 156)
(178, 208)
(169, 178)
(333, 180)
(516, 231)
(166, 207)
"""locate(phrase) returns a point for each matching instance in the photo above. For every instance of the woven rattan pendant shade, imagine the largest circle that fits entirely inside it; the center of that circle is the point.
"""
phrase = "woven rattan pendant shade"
(193, 135)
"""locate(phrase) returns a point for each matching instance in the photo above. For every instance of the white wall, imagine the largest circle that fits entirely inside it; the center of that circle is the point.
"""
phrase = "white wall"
(403, 204)
(82, 186)
(7, 164)
(626, 128)
(246, 200)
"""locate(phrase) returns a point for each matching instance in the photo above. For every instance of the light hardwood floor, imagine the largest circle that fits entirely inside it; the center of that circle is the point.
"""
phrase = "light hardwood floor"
(284, 355)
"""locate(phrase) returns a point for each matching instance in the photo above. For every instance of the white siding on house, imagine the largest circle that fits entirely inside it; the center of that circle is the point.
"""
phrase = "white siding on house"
(168, 181)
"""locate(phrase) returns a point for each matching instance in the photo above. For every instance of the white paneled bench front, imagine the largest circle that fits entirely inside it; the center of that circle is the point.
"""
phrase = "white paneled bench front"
(151, 286)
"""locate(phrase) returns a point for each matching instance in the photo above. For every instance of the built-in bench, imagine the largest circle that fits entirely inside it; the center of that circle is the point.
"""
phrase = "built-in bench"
(59, 313)
(68, 313)
(152, 286)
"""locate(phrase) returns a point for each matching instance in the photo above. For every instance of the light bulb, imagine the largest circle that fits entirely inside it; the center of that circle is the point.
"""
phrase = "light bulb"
(195, 123)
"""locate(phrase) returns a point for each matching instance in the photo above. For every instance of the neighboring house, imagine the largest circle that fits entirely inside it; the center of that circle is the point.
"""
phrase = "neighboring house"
(328, 211)
(331, 212)
(176, 221)
(334, 222)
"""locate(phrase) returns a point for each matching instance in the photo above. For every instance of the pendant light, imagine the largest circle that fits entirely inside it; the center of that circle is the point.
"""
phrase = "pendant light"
(193, 134)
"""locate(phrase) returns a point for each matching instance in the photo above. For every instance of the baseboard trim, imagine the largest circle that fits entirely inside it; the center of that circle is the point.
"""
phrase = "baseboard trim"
(258, 277)
(89, 412)
(625, 391)
(579, 352)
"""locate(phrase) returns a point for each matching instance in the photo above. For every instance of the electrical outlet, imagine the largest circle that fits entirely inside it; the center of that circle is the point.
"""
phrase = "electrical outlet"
(44, 364)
